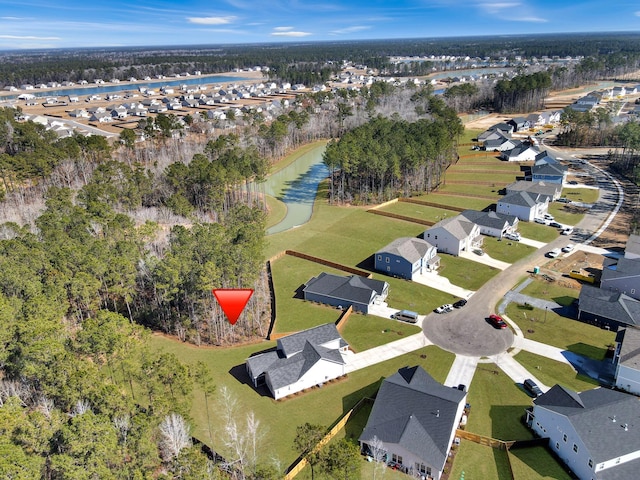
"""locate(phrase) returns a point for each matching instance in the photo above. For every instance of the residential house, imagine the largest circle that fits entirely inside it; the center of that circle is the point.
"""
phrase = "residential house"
(503, 127)
(406, 257)
(355, 291)
(551, 190)
(627, 360)
(453, 235)
(524, 205)
(623, 274)
(492, 223)
(415, 418)
(548, 169)
(79, 113)
(607, 309)
(490, 135)
(499, 144)
(521, 152)
(519, 124)
(301, 360)
(535, 119)
(594, 433)
(619, 92)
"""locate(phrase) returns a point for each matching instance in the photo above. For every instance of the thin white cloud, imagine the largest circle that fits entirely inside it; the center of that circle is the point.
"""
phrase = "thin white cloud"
(530, 19)
(290, 34)
(212, 20)
(12, 18)
(27, 37)
(282, 29)
(355, 28)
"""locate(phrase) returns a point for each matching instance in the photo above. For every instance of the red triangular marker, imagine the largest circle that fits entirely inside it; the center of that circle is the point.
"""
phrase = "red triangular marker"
(232, 301)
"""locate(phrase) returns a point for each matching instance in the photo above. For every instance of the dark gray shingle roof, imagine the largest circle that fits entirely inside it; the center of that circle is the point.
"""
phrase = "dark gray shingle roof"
(592, 413)
(319, 335)
(608, 304)
(353, 288)
(415, 411)
(409, 248)
(489, 219)
(630, 349)
(524, 199)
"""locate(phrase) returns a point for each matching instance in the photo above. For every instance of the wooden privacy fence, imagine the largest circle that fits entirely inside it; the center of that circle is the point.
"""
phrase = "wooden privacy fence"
(343, 318)
(462, 194)
(420, 221)
(384, 204)
(432, 204)
(301, 462)
(328, 263)
(482, 440)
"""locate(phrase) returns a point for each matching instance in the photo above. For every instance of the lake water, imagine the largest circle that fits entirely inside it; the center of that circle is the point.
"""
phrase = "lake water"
(121, 87)
(296, 185)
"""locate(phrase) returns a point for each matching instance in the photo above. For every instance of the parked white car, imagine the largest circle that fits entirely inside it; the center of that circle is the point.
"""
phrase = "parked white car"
(446, 308)
(541, 220)
(554, 253)
(513, 236)
(568, 248)
(567, 231)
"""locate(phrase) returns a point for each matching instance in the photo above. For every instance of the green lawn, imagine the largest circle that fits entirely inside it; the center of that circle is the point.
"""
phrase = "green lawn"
(465, 273)
(506, 250)
(294, 314)
(474, 189)
(279, 419)
(455, 201)
(471, 163)
(540, 288)
(564, 216)
(468, 135)
(536, 463)
(536, 231)
(407, 295)
(497, 404)
(551, 372)
(277, 211)
(497, 178)
(585, 195)
(422, 212)
(479, 462)
(561, 332)
(346, 235)
(366, 331)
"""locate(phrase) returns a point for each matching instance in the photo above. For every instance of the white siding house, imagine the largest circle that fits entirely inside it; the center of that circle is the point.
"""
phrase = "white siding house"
(453, 235)
(524, 205)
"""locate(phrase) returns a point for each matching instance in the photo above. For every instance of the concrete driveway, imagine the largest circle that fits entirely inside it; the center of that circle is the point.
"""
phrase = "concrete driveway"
(485, 260)
(433, 280)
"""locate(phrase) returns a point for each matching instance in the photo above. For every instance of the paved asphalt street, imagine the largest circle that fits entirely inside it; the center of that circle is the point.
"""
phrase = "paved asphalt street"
(466, 331)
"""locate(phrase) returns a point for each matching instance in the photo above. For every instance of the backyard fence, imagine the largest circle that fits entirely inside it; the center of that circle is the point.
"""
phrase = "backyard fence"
(384, 204)
(301, 462)
(343, 318)
(432, 204)
(462, 194)
(482, 440)
(328, 263)
(420, 221)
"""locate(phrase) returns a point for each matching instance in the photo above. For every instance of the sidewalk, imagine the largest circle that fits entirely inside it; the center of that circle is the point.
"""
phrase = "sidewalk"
(462, 371)
(532, 243)
(356, 361)
(514, 370)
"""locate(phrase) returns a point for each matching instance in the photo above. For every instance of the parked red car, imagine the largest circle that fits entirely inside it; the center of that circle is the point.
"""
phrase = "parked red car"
(497, 321)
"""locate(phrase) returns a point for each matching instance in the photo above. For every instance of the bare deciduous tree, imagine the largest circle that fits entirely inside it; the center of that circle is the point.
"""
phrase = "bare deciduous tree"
(174, 436)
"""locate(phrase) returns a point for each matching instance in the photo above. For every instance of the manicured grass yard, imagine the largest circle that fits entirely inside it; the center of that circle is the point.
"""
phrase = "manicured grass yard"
(551, 372)
(497, 178)
(490, 190)
(279, 419)
(561, 332)
(465, 273)
(585, 195)
(422, 212)
(564, 216)
(457, 201)
(540, 288)
(277, 211)
(467, 136)
(497, 404)
(367, 331)
(478, 163)
(536, 463)
(407, 295)
(480, 462)
(536, 231)
(506, 250)
(294, 314)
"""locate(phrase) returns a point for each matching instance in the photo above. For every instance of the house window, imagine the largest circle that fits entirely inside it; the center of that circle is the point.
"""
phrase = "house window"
(428, 235)
(421, 468)
(386, 259)
(590, 463)
(388, 269)
(557, 445)
(436, 237)
(564, 437)
(379, 258)
(396, 459)
(575, 448)
(633, 290)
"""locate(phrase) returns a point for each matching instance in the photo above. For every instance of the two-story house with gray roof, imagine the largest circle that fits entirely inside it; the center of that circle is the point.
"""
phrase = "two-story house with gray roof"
(300, 361)
(524, 205)
(415, 418)
(355, 291)
(607, 309)
(521, 152)
(406, 257)
(492, 223)
(551, 190)
(627, 360)
(623, 274)
(595, 433)
(454, 235)
(548, 169)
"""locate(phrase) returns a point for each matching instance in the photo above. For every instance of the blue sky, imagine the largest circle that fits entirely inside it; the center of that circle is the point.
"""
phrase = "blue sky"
(94, 23)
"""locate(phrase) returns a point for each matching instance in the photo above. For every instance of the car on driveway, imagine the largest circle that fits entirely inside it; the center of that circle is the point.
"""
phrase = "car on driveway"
(553, 253)
(532, 388)
(556, 225)
(567, 231)
(513, 236)
(541, 220)
(446, 308)
(568, 248)
(460, 303)
(497, 321)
